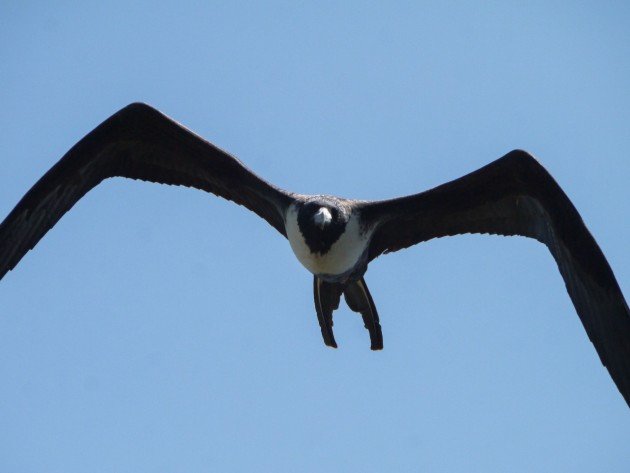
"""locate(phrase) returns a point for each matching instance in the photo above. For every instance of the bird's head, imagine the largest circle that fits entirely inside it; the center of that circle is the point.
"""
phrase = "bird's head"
(321, 221)
(322, 217)
(322, 214)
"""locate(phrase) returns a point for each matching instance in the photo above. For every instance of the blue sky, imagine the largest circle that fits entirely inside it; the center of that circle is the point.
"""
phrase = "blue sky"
(164, 330)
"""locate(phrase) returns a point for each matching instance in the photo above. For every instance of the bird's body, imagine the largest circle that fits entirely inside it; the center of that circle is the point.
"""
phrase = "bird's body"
(334, 238)
(334, 251)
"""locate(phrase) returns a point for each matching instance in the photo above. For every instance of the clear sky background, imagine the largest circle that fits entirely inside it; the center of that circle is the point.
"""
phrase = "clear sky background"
(160, 329)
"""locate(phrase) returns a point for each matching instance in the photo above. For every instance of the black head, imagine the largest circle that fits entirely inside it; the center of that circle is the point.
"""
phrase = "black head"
(321, 222)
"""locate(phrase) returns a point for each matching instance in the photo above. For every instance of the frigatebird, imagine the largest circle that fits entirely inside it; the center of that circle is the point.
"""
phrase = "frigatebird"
(336, 238)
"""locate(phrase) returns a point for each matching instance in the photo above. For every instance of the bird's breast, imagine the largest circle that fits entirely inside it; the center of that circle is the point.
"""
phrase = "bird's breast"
(343, 255)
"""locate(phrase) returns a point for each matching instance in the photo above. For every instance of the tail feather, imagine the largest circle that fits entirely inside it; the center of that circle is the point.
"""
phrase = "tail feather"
(359, 299)
(327, 297)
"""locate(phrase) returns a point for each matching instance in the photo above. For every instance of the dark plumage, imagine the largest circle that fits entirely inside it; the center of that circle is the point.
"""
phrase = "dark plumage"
(336, 238)
(321, 239)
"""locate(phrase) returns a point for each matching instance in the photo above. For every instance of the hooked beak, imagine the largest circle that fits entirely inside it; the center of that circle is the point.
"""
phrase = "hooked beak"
(322, 218)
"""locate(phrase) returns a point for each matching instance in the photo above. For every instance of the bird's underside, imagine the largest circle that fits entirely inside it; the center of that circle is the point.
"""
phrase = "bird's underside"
(334, 238)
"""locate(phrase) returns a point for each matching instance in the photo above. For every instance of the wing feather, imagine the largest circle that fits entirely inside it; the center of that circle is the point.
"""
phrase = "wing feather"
(137, 142)
(515, 195)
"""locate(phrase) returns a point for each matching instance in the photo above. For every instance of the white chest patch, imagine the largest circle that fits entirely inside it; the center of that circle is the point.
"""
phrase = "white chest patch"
(341, 257)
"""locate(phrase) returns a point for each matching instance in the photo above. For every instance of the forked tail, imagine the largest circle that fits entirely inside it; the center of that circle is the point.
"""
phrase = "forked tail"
(357, 295)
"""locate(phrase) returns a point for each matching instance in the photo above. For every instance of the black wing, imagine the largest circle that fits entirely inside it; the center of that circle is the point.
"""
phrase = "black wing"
(515, 195)
(137, 142)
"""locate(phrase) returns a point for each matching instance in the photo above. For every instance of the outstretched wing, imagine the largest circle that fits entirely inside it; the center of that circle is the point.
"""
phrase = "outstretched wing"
(515, 195)
(137, 142)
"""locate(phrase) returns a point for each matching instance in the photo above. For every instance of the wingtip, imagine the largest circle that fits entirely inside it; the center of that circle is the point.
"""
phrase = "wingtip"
(376, 341)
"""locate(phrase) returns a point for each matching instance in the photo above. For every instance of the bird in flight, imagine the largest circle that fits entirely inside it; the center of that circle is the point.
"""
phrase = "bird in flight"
(336, 238)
